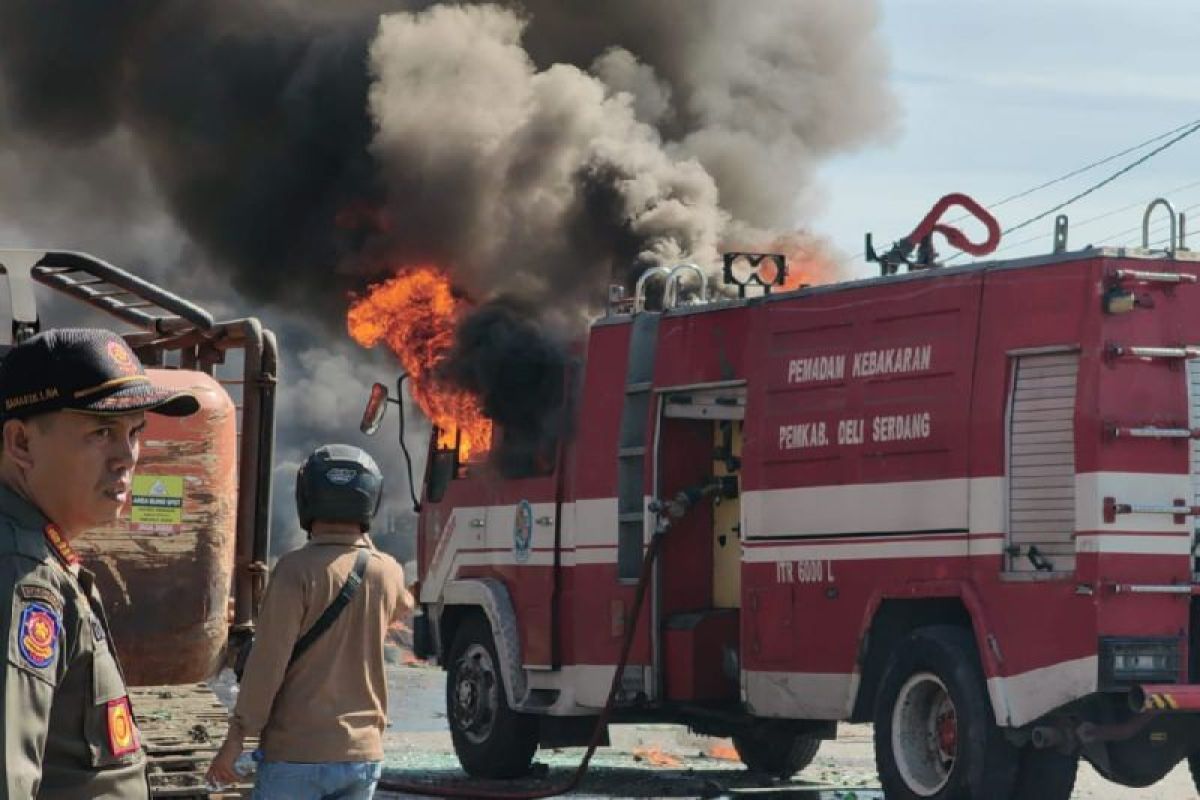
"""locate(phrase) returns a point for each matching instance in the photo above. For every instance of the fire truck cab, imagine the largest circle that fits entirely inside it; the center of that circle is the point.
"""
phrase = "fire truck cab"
(957, 502)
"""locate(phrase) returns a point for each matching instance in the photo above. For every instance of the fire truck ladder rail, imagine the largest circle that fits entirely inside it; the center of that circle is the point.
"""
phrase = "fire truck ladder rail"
(631, 443)
(1180, 510)
(1114, 350)
(1153, 277)
(101, 285)
(1150, 432)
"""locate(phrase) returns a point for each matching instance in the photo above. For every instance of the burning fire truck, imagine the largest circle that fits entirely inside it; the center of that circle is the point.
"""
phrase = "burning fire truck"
(957, 502)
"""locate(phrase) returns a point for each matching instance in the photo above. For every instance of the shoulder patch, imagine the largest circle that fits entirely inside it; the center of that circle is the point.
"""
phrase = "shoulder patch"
(38, 635)
(40, 593)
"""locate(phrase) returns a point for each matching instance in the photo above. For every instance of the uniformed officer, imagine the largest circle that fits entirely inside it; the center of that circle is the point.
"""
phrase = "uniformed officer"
(72, 409)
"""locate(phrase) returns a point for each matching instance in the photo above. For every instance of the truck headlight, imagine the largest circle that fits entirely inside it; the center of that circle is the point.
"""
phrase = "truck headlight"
(1125, 661)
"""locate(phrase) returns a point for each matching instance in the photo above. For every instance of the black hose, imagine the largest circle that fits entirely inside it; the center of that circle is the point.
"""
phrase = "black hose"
(597, 734)
(403, 446)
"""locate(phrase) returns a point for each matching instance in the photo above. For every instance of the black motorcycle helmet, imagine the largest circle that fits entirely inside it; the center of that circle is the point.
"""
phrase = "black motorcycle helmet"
(339, 483)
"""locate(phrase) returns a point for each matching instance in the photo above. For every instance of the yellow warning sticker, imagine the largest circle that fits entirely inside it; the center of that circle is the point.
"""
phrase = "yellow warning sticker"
(157, 503)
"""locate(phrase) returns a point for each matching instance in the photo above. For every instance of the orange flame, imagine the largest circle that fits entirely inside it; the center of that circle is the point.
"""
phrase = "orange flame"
(655, 757)
(415, 313)
(723, 751)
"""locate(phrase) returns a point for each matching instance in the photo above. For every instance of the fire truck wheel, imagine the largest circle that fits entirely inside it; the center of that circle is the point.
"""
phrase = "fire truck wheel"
(935, 736)
(1046, 774)
(776, 756)
(490, 739)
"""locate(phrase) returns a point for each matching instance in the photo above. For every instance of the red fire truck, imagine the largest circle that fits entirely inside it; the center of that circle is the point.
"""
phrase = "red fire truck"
(957, 502)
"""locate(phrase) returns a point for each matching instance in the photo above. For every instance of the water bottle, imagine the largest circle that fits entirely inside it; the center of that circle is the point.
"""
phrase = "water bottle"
(246, 763)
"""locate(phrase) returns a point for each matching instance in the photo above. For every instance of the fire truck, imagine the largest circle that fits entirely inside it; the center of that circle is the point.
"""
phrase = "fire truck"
(957, 502)
(183, 571)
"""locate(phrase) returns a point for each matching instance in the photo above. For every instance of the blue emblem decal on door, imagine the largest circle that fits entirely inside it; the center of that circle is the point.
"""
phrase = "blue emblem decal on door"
(523, 531)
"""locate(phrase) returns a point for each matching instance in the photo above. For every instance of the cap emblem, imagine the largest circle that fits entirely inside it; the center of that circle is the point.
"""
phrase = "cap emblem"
(121, 357)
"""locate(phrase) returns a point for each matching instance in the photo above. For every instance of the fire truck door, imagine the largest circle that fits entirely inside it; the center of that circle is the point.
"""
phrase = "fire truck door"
(727, 528)
(521, 526)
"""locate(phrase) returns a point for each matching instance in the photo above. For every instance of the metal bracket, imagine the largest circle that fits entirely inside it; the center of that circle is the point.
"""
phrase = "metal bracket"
(1114, 431)
(755, 278)
(1061, 225)
(1155, 203)
(1141, 276)
(1179, 510)
(1114, 350)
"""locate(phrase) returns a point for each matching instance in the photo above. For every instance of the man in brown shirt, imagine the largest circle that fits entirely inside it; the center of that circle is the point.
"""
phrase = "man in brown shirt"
(320, 717)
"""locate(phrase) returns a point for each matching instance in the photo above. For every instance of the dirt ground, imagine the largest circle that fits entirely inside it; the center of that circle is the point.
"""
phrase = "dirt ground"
(665, 760)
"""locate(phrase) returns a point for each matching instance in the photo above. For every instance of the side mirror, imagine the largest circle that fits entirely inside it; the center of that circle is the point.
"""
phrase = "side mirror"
(376, 409)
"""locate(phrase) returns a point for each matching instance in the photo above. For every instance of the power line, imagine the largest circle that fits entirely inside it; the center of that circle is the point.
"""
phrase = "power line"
(1105, 215)
(1093, 165)
(1188, 128)
(1131, 165)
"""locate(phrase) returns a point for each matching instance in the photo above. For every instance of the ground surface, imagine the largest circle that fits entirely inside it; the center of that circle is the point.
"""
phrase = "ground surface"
(666, 761)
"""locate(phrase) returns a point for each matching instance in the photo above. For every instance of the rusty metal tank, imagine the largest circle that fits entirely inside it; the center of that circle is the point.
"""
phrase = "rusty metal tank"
(165, 568)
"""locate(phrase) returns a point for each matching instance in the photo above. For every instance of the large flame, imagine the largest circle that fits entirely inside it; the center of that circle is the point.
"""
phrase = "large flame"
(415, 313)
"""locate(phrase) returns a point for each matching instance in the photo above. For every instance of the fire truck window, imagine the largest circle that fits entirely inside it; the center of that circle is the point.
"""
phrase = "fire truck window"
(441, 471)
(523, 455)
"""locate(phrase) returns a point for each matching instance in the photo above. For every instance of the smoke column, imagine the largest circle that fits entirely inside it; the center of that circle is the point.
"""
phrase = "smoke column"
(538, 150)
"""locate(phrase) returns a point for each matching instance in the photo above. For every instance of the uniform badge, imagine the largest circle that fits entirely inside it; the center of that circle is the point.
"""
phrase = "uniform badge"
(122, 735)
(39, 635)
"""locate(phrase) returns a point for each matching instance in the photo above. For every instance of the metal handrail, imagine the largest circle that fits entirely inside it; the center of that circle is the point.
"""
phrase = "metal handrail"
(674, 277)
(639, 288)
(1165, 203)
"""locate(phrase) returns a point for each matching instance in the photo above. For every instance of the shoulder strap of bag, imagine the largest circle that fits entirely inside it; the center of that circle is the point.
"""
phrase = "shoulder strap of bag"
(349, 589)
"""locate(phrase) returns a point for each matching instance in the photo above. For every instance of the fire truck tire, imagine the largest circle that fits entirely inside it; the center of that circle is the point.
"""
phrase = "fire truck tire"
(935, 735)
(490, 739)
(776, 756)
(1046, 774)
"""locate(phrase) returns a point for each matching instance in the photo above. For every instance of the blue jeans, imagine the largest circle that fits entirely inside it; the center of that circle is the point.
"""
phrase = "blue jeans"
(338, 780)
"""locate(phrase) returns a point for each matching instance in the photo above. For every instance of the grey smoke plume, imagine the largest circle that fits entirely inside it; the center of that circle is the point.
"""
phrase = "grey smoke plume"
(533, 147)
(269, 157)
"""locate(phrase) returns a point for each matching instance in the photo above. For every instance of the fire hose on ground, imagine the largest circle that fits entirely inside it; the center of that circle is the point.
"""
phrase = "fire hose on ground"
(673, 509)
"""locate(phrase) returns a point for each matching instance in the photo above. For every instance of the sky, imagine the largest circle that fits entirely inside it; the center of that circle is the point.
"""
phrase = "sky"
(996, 98)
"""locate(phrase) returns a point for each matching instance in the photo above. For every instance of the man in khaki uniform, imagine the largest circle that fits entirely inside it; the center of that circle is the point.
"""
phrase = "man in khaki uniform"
(320, 712)
(72, 408)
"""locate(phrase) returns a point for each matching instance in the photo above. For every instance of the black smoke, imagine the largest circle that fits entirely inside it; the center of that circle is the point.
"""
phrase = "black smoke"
(269, 157)
(253, 121)
(518, 370)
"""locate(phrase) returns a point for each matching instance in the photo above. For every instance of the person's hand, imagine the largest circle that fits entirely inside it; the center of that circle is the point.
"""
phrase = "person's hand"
(221, 771)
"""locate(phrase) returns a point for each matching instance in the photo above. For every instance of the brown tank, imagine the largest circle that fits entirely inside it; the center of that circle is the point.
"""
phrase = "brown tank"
(165, 570)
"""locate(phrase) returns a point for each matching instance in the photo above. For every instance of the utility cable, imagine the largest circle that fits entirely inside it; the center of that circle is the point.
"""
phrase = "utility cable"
(1081, 223)
(1184, 130)
(1094, 187)
(1088, 167)
(1157, 227)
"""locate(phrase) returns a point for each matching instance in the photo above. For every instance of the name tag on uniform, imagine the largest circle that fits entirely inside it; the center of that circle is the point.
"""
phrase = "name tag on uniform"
(122, 735)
